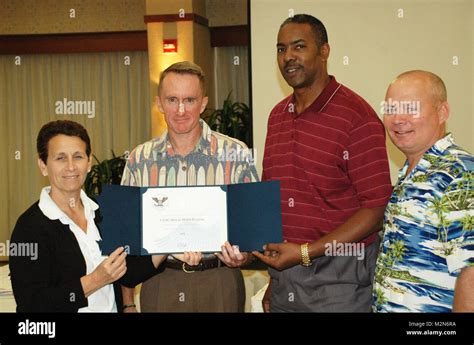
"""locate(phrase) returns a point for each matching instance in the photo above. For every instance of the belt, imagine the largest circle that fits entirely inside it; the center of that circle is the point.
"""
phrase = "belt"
(205, 264)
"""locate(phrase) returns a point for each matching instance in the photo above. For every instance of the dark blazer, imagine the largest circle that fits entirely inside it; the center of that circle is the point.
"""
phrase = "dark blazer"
(51, 283)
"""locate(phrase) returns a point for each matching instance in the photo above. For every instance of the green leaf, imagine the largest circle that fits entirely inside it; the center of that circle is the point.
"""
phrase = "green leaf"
(232, 120)
(108, 171)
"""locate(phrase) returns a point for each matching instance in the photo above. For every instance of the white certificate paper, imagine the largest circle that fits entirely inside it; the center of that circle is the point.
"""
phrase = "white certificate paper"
(184, 219)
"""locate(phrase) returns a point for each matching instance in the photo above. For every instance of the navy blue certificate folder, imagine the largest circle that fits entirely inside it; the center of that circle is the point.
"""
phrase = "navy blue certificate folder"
(253, 216)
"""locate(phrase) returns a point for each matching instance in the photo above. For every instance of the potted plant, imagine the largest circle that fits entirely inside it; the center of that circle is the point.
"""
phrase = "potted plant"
(109, 171)
(232, 120)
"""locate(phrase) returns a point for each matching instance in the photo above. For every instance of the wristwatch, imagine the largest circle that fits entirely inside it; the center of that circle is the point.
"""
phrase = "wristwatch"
(305, 259)
(125, 306)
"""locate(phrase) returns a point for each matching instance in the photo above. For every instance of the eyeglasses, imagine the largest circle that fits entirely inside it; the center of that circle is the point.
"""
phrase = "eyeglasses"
(181, 105)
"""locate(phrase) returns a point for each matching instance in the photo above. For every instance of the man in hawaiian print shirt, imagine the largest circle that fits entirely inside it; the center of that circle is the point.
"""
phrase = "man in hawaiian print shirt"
(427, 253)
(189, 153)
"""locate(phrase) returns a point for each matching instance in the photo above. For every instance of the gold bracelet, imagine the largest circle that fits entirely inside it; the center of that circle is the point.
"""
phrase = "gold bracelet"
(305, 259)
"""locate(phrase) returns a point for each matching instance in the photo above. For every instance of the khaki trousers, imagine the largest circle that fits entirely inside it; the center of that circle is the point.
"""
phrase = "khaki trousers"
(215, 290)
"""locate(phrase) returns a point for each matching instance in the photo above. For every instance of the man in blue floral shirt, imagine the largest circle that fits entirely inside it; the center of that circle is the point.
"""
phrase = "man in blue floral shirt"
(429, 221)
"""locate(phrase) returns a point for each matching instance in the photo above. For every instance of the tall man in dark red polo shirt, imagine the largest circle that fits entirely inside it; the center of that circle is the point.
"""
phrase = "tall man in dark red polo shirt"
(326, 145)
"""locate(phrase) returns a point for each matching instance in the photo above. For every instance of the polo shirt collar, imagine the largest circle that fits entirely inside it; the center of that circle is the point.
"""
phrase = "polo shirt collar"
(202, 146)
(323, 99)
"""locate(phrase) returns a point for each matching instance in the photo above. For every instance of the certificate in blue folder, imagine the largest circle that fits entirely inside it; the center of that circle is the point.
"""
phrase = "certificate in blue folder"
(163, 220)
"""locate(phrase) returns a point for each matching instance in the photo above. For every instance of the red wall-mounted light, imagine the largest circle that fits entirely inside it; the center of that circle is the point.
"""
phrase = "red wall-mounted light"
(170, 46)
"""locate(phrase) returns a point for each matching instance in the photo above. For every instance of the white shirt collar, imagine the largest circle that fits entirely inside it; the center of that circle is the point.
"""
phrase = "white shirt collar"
(53, 212)
(445, 142)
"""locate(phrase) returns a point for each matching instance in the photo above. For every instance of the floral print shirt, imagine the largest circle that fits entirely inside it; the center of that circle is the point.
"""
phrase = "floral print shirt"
(428, 232)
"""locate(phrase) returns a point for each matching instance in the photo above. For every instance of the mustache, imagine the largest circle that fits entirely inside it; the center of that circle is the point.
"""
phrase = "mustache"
(291, 65)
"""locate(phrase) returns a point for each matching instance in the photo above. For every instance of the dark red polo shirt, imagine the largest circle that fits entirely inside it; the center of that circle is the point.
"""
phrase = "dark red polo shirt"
(331, 161)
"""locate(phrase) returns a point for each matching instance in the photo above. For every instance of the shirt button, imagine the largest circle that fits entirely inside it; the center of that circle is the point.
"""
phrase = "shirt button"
(183, 168)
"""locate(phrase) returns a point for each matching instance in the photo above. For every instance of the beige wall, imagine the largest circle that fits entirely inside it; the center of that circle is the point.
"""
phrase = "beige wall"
(379, 45)
(218, 12)
(19, 17)
(203, 57)
(193, 45)
(199, 7)
(168, 6)
(53, 16)
(159, 61)
(226, 12)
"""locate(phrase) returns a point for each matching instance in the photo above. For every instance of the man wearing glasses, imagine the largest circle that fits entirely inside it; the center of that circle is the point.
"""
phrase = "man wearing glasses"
(187, 154)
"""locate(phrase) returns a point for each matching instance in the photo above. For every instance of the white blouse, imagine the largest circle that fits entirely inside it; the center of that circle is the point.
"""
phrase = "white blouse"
(102, 300)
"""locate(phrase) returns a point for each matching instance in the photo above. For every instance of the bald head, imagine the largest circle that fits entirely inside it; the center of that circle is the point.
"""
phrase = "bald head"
(420, 112)
(427, 81)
